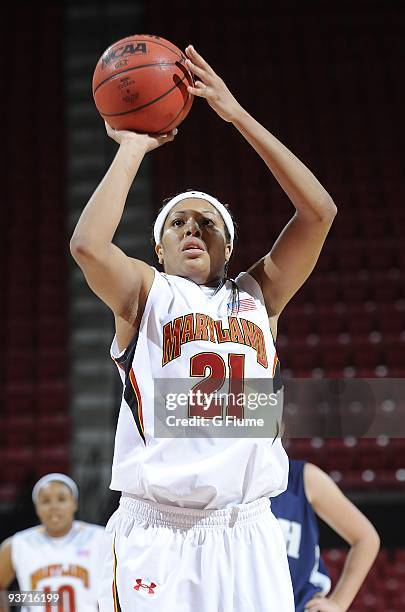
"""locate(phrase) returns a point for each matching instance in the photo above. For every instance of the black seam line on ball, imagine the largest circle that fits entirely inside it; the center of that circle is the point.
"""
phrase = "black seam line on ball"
(112, 76)
(148, 40)
(134, 110)
(174, 119)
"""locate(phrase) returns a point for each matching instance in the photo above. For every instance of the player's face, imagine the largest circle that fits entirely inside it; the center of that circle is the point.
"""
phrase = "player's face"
(55, 508)
(193, 242)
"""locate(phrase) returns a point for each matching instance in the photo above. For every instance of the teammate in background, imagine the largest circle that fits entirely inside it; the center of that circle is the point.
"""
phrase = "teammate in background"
(61, 554)
(310, 491)
(194, 530)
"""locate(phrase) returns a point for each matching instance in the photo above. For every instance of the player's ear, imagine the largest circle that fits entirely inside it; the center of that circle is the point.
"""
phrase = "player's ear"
(159, 252)
(228, 252)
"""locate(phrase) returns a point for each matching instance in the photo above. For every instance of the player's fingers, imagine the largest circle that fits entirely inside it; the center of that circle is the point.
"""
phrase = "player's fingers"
(167, 137)
(314, 605)
(200, 72)
(199, 89)
(196, 58)
(109, 129)
(116, 135)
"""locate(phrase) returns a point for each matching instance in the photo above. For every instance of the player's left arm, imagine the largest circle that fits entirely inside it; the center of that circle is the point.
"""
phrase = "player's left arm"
(333, 507)
(291, 260)
(7, 571)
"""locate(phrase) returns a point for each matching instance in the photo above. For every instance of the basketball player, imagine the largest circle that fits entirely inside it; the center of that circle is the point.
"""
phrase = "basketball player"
(194, 530)
(310, 491)
(61, 555)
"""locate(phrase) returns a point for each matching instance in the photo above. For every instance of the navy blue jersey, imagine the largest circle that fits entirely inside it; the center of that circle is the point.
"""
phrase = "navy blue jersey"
(300, 529)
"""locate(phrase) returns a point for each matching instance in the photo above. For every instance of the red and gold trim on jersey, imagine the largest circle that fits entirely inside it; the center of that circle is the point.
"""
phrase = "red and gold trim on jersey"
(133, 398)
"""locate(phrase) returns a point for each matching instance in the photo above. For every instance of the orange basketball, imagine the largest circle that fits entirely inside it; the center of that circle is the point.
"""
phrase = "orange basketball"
(140, 84)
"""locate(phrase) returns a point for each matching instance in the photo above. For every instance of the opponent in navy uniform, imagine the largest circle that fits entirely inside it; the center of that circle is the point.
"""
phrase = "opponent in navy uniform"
(310, 491)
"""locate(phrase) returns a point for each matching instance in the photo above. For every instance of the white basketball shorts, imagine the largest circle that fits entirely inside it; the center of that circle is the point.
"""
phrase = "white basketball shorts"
(160, 557)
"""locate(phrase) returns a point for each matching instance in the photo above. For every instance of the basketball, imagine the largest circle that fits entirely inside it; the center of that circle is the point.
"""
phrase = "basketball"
(140, 84)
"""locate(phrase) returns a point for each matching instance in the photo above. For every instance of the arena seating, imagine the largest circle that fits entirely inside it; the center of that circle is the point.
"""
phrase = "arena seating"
(34, 420)
(371, 464)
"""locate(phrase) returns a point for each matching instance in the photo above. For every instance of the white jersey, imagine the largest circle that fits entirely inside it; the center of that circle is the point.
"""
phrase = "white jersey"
(68, 565)
(186, 334)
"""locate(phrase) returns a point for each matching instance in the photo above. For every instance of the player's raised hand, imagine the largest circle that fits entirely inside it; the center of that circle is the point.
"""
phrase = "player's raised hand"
(322, 604)
(146, 141)
(211, 87)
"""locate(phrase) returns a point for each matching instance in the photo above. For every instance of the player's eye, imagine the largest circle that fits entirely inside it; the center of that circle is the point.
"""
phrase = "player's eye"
(177, 222)
(206, 221)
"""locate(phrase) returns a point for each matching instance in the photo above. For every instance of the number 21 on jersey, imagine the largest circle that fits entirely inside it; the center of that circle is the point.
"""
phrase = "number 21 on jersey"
(206, 401)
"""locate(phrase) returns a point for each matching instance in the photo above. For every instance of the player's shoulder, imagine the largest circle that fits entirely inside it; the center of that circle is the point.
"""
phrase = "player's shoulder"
(248, 284)
(84, 525)
(88, 529)
(316, 482)
(171, 280)
(31, 535)
(164, 284)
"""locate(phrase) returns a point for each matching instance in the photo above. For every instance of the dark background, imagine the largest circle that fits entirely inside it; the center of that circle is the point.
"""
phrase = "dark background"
(326, 78)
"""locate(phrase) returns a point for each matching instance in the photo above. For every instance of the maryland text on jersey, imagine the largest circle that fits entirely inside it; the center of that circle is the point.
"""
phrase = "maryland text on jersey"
(58, 569)
(197, 326)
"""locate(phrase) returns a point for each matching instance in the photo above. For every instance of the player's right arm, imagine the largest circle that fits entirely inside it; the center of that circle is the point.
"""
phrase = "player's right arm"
(333, 507)
(7, 572)
(122, 282)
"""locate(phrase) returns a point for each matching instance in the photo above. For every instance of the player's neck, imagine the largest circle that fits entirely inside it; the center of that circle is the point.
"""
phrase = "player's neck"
(60, 533)
(213, 283)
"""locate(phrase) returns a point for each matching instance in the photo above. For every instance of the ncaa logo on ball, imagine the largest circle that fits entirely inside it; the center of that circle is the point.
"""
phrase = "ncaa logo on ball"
(128, 49)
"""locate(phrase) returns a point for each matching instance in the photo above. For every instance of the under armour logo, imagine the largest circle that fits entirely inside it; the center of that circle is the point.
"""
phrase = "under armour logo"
(149, 587)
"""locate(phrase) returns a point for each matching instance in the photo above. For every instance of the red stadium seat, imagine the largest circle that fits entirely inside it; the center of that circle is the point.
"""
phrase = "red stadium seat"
(19, 430)
(8, 492)
(338, 456)
(20, 366)
(52, 459)
(19, 399)
(351, 256)
(335, 356)
(326, 289)
(52, 397)
(387, 286)
(355, 287)
(53, 430)
(20, 333)
(51, 364)
(330, 321)
(391, 320)
(394, 355)
(367, 354)
(18, 463)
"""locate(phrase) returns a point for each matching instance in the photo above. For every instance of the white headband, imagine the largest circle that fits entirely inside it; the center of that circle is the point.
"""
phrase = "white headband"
(55, 477)
(200, 195)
